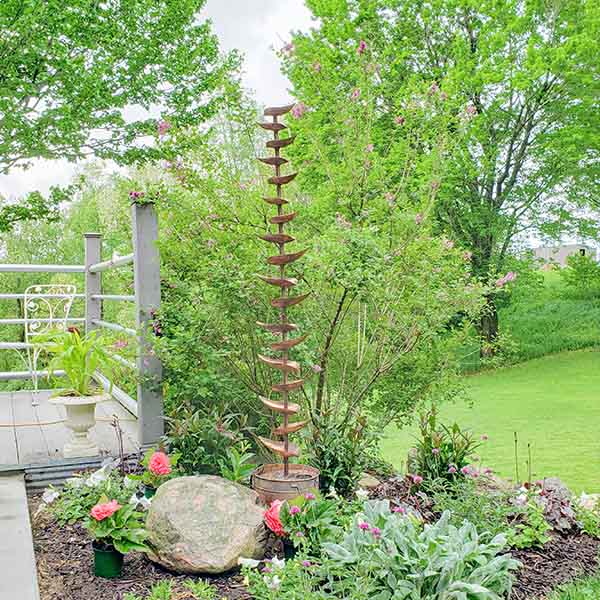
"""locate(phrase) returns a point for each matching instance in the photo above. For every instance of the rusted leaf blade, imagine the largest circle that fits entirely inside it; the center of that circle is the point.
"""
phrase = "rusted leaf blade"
(274, 161)
(290, 386)
(288, 366)
(280, 143)
(287, 344)
(291, 428)
(277, 327)
(277, 238)
(284, 283)
(278, 111)
(292, 408)
(276, 220)
(273, 126)
(279, 447)
(282, 179)
(276, 201)
(288, 301)
(284, 259)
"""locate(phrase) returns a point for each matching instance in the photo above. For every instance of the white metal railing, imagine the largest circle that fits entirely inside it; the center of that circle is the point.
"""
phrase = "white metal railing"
(148, 406)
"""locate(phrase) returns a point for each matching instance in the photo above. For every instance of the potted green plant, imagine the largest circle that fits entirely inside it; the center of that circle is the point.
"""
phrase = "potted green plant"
(158, 468)
(79, 357)
(116, 530)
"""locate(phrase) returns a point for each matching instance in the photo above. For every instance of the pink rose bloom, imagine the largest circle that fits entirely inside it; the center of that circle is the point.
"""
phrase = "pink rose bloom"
(271, 517)
(399, 120)
(159, 464)
(362, 47)
(103, 511)
(299, 110)
(355, 94)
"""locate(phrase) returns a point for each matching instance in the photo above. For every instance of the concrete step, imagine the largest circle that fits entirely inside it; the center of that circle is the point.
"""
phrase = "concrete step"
(18, 574)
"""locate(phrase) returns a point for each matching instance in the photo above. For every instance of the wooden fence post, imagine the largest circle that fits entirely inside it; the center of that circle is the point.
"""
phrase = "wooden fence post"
(146, 266)
(93, 281)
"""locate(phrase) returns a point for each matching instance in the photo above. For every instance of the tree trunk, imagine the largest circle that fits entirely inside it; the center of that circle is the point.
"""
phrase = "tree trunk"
(488, 328)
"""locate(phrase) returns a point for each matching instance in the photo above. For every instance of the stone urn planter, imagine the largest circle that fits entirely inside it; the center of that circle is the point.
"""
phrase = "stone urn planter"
(81, 417)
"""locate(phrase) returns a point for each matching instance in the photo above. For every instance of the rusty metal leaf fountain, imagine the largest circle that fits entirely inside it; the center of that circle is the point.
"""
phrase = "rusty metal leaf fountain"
(289, 479)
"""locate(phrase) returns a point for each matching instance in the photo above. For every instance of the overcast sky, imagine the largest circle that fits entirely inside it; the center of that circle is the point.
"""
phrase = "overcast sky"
(255, 27)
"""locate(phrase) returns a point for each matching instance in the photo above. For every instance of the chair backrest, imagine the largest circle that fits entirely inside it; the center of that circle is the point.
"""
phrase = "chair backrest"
(47, 308)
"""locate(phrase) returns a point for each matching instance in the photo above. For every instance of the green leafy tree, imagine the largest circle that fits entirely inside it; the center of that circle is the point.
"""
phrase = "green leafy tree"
(518, 82)
(80, 78)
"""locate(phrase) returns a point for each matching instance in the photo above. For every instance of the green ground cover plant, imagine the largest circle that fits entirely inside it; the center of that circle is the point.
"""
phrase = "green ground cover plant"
(584, 589)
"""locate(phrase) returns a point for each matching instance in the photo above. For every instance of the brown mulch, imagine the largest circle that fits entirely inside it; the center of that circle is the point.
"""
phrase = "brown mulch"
(65, 568)
(64, 560)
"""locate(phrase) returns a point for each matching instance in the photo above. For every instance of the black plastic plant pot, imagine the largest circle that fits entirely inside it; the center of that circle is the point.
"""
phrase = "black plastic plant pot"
(149, 492)
(108, 562)
(289, 550)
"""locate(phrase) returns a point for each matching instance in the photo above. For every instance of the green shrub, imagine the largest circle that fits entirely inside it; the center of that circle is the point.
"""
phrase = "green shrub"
(584, 589)
(238, 465)
(588, 519)
(392, 556)
(532, 530)
(442, 451)
(582, 276)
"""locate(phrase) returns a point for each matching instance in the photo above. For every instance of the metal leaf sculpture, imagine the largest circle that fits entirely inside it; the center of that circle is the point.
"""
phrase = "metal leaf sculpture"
(288, 368)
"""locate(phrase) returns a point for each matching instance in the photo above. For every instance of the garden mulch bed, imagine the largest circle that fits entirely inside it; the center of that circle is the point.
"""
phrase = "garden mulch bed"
(64, 560)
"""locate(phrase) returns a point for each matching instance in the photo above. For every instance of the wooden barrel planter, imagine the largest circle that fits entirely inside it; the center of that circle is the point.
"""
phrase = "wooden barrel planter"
(270, 483)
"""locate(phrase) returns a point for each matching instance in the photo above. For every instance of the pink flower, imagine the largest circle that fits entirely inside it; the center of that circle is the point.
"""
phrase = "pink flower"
(294, 510)
(271, 517)
(488, 471)
(310, 496)
(375, 531)
(417, 479)
(306, 563)
(434, 89)
(316, 368)
(364, 526)
(399, 120)
(316, 66)
(369, 148)
(362, 47)
(471, 110)
(299, 110)
(163, 127)
(399, 509)
(134, 196)
(418, 218)
(452, 469)
(120, 344)
(159, 464)
(103, 511)
(448, 244)
(435, 451)
(267, 570)
(355, 94)
(299, 534)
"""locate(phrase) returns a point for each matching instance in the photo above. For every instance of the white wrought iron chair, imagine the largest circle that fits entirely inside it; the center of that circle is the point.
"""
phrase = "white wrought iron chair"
(47, 309)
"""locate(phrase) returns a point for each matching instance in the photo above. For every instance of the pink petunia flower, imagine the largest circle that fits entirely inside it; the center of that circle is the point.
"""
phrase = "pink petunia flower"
(105, 510)
(159, 464)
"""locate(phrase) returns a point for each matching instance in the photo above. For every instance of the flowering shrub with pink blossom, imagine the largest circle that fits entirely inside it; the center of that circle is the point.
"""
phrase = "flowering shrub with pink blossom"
(113, 526)
(158, 468)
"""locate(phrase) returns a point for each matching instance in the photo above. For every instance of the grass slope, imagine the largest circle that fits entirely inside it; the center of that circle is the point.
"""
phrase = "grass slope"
(553, 403)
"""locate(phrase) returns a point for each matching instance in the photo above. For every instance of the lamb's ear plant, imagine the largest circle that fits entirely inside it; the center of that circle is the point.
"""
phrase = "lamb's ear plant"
(79, 357)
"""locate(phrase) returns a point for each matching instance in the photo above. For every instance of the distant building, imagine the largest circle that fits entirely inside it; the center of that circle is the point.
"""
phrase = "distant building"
(558, 254)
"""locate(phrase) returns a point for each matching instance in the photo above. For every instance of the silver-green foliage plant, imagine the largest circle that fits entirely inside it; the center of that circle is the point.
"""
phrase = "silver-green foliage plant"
(397, 559)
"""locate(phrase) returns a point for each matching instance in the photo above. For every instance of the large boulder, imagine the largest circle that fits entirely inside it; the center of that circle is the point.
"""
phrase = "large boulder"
(204, 524)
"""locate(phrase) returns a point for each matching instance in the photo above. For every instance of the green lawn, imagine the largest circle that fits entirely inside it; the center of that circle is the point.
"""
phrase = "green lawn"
(553, 403)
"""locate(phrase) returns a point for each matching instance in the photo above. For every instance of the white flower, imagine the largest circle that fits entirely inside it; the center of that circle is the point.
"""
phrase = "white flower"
(332, 493)
(248, 562)
(273, 582)
(49, 496)
(99, 476)
(129, 483)
(362, 494)
(278, 563)
(75, 482)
